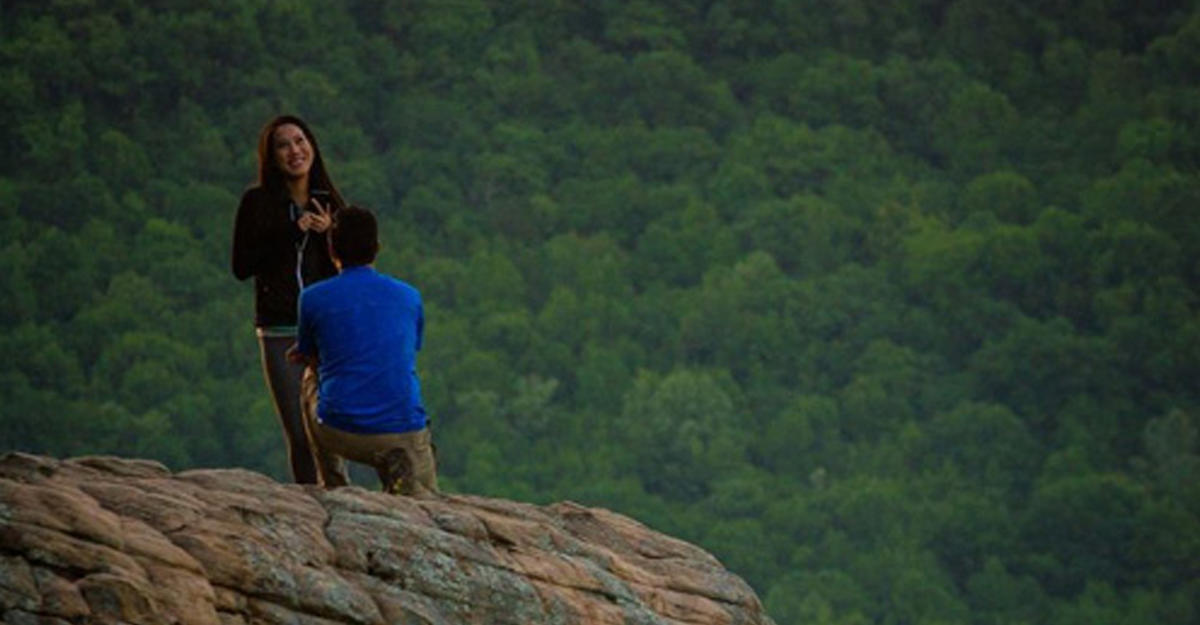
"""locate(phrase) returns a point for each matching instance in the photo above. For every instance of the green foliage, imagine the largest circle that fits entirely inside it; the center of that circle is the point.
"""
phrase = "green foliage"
(891, 306)
(1083, 528)
(689, 425)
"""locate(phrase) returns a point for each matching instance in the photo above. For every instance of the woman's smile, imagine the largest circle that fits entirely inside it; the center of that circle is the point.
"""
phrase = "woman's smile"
(293, 152)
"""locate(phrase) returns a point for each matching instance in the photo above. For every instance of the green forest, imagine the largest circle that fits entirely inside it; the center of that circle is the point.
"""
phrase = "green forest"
(894, 307)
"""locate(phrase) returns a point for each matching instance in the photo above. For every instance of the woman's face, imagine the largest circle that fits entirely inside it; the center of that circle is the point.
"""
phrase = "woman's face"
(293, 152)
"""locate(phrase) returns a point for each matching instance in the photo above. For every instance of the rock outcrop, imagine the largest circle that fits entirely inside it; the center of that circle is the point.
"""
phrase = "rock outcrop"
(110, 540)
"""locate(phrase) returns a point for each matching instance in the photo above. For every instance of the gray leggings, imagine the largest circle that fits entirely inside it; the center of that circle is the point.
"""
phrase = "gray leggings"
(283, 380)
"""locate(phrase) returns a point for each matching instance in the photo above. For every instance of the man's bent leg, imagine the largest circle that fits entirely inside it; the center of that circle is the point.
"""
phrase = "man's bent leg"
(330, 466)
(406, 456)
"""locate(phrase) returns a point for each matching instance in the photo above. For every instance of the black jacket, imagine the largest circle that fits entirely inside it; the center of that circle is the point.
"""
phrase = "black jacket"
(267, 244)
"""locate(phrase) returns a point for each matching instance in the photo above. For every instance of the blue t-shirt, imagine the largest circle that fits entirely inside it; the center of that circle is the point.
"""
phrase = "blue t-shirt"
(366, 329)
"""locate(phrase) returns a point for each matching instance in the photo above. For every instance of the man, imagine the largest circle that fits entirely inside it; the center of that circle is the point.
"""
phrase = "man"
(362, 330)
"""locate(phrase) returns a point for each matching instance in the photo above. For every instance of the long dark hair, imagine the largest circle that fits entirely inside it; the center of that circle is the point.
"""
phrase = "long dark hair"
(269, 175)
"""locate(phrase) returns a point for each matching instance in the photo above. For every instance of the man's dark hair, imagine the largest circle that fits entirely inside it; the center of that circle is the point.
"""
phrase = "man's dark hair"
(354, 238)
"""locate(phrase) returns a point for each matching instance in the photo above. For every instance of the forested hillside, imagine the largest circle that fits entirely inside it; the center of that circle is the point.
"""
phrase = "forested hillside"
(890, 305)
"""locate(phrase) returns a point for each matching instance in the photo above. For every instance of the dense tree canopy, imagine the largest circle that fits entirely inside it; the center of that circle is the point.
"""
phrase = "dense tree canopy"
(892, 306)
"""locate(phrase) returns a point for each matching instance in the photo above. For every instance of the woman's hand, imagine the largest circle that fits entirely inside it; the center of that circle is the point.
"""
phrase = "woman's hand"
(315, 221)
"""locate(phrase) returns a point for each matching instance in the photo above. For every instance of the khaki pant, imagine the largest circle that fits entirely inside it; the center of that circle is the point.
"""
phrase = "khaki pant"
(331, 445)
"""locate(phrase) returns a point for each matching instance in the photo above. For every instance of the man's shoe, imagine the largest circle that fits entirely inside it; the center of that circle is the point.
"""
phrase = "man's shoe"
(395, 471)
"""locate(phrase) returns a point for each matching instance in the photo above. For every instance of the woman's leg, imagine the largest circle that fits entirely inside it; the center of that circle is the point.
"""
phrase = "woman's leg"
(283, 380)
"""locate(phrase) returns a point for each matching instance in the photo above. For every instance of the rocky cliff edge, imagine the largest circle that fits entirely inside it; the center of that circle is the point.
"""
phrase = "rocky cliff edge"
(111, 540)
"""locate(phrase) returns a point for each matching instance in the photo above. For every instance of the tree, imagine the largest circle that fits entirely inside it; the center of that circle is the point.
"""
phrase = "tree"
(835, 89)
(917, 92)
(940, 270)
(667, 88)
(787, 152)
(1087, 527)
(65, 285)
(999, 596)
(1038, 367)
(827, 597)
(805, 234)
(887, 389)
(683, 430)
(1064, 239)
(1172, 446)
(974, 131)
(677, 247)
(803, 439)
(48, 53)
(603, 378)
(18, 301)
(642, 26)
(739, 318)
(988, 445)
(1008, 195)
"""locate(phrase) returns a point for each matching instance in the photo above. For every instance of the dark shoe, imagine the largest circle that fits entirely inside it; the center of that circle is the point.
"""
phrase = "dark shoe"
(395, 471)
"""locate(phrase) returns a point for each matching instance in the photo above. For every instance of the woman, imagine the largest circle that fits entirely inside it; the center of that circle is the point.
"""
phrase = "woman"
(278, 237)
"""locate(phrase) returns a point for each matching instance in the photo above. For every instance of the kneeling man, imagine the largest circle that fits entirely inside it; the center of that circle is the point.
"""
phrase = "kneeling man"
(362, 330)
